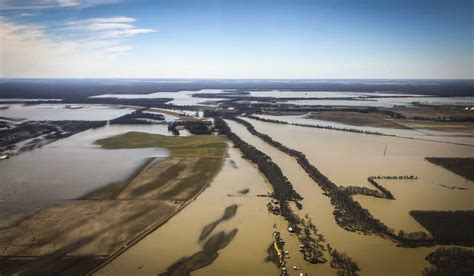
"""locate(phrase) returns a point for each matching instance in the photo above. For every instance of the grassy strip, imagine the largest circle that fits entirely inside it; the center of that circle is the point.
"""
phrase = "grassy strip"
(204, 169)
(178, 146)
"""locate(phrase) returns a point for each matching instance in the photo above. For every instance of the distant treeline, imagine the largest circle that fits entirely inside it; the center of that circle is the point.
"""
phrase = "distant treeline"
(140, 117)
(39, 133)
(318, 126)
(443, 118)
(73, 88)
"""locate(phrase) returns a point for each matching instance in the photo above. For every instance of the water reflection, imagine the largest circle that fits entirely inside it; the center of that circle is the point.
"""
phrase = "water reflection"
(67, 169)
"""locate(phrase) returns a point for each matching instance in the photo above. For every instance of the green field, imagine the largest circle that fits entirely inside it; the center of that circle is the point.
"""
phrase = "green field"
(195, 161)
(190, 146)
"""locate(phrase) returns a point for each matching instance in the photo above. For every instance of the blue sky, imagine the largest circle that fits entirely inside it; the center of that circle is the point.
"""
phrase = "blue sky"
(237, 39)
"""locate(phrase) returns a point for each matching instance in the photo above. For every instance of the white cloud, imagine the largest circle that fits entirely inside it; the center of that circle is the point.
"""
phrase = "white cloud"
(109, 28)
(47, 4)
(30, 50)
(126, 33)
(98, 24)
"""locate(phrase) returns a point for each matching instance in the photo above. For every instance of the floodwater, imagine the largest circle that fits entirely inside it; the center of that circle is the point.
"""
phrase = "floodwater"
(349, 158)
(389, 102)
(179, 98)
(179, 236)
(322, 94)
(451, 136)
(56, 112)
(374, 255)
(68, 169)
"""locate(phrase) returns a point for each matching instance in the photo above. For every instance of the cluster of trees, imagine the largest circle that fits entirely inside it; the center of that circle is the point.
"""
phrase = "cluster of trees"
(197, 127)
(455, 261)
(356, 190)
(319, 126)
(48, 131)
(411, 177)
(139, 117)
(448, 227)
(445, 118)
(313, 249)
(387, 194)
(340, 260)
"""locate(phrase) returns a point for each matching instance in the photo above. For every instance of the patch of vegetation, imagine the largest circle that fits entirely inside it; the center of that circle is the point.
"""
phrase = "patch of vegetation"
(460, 166)
(453, 261)
(140, 117)
(456, 227)
(204, 169)
(342, 262)
(203, 258)
(228, 214)
(175, 144)
(166, 176)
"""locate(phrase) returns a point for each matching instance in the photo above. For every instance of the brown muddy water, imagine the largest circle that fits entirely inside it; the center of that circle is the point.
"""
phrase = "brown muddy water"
(349, 158)
(179, 236)
(374, 255)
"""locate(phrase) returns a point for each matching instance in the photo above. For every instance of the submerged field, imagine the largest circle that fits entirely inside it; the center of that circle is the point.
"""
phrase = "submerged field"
(75, 236)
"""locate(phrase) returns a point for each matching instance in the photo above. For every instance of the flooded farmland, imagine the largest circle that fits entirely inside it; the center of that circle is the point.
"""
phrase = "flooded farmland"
(179, 236)
(168, 232)
(365, 250)
(349, 159)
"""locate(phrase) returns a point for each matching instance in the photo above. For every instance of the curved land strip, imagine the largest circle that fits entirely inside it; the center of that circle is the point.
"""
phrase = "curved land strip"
(349, 214)
(461, 166)
(78, 236)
